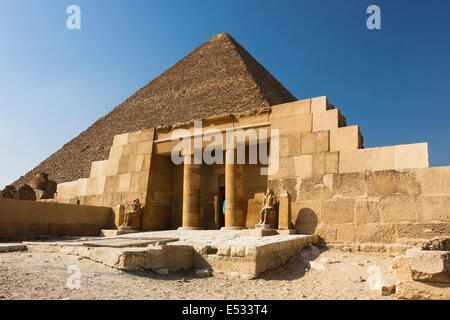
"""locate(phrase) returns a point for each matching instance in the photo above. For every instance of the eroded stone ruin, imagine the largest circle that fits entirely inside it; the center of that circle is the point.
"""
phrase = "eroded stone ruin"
(327, 184)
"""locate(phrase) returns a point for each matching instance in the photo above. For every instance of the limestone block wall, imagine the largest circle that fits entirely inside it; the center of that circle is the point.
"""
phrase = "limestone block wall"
(157, 213)
(382, 207)
(118, 180)
(348, 194)
(255, 186)
(29, 219)
(337, 188)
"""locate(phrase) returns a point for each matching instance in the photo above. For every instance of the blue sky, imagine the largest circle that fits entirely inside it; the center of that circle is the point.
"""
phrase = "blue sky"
(55, 82)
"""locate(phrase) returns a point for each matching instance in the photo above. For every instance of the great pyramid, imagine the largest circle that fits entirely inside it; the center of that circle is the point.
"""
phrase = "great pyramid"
(218, 77)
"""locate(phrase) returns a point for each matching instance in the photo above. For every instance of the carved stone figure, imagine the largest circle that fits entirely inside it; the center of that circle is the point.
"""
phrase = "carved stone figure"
(10, 193)
(268, 209)
(135, 212)
(43, 186)
(27, 193)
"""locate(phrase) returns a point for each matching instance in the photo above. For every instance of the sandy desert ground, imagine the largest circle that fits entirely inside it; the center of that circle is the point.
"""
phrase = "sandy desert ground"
(332, 274)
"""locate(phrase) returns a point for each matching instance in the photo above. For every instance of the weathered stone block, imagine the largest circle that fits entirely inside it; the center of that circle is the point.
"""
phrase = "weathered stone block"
(308, 143)
(223, 250)
(385, 183)
(139, 164)
(383, 158)
(434, 181)
(416, 290)
(66, 190)
(430, 266)
(289, 185)
(312, 188)
(293, 124)
(411, 156)
(283, 143)
(332, 162)
(303, 166)
(328, 211)
(284, 212)
(295, 143)
(130, 149)
(95, 186)
(398, 208)
(349, 184)
(327, 180)
(346, 233)
(320, 105)
(286, 167)
(237, 251)
(434, 208)
(147, 134)
(440, 243)
(144, 147)
(81, 187)
(345, 210)
(415, 231)
(98, 169)
(358, 160)
(124, 182)
(132, 161)
(290, 109)
(327, 120)
(118, 143)
(345, 138)
(375, 233)
(134, 137)
(304, 216)
(326, 232)
(366, 211)
(139, 181)
(123, 165)
(325, 162)
(247, 119)
(319, 163)
(111, 184)
(401, 266)
(112, 167)
(322, 141)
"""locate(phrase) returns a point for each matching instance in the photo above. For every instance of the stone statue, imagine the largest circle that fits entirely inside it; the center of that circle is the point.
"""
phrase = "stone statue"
(43, 186)
(10, 192)
(268, 208)
(129, 216)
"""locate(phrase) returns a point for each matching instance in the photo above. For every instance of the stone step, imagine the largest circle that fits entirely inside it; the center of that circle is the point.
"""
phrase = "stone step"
(227, 252)
(114, 232)
(10, 247)
(416, 290)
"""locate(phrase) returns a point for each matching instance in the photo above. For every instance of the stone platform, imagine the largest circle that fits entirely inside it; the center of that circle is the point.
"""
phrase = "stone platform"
(10, 247)
(231, 252)
(114, 232)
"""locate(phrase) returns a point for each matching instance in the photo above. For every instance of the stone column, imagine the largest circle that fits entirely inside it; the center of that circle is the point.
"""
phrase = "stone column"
(234, 193)
(191, 195)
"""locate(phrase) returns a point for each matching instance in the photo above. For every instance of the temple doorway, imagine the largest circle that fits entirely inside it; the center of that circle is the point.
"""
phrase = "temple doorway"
(221, 220)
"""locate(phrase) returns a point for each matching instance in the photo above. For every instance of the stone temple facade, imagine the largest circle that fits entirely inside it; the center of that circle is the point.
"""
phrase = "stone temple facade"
(326, 182)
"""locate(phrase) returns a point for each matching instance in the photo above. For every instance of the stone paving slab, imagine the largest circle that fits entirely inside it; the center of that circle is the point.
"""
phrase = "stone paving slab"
(127, 242)
(9, 247)
(216, 237)
(233, 252)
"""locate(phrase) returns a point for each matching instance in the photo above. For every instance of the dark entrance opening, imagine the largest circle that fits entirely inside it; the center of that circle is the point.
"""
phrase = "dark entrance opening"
(221, 222)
